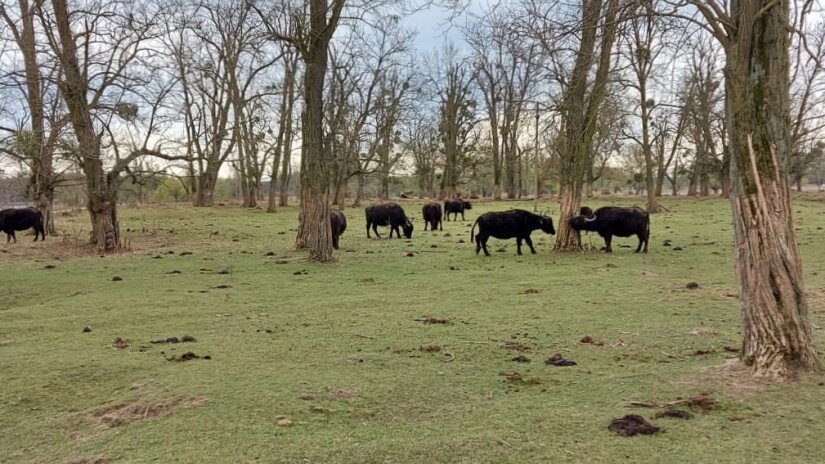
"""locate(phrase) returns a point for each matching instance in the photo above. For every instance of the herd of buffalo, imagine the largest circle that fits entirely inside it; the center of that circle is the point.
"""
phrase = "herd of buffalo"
(608, 222)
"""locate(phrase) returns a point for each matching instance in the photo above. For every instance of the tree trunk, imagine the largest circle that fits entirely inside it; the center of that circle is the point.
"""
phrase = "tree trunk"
(359, 192)
(101, 188)
(205, 193)
(579, 116)
(314, 230)
(777, 328)
(105, 228)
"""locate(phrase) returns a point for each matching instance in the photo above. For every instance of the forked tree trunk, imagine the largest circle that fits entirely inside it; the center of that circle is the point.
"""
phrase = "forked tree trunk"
(777, 329)
(580, 114)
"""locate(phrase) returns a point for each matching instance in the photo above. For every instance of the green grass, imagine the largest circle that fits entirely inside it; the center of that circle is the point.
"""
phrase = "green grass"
(274, 336)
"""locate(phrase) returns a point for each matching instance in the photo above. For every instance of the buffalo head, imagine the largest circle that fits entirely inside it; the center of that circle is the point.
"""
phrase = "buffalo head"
(546, 225)
(584, 221)
(467, 204)
(408, 228)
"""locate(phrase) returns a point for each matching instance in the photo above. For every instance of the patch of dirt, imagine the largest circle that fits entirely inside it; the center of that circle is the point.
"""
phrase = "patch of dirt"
(692, 285)
(142, 408)
(307, 397)
(731, 377)
(702, 352)
(531, 291)
(341, 394)
(516, 346)
(120, 343)
(731, 349)
(521, 359)
(558, 360)
(188, 356)
(701, 402)
(703, 330)
(430, 348)
(435, 320)
(588, 340)
(675, 413)
(631, 425)
(173, 340)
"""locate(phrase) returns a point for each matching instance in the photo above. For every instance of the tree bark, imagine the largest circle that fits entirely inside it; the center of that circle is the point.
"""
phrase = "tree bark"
(314, 232)
(777, 329)
(580, 114)
(101, 188)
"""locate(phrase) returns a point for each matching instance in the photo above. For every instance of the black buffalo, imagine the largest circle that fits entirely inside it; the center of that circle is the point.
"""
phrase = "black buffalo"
(388, 214)
(338, 223)
(515, 223)
(432, 216)
(12, 220)
(615, 220)
(455, 207)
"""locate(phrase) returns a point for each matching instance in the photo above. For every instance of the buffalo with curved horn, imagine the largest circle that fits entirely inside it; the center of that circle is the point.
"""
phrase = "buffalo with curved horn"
(616, 221)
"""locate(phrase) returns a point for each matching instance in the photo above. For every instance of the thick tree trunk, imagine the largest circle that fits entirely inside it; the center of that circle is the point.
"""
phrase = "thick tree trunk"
(777, 329)
(314, 231)
(205, 193)
(105, 228)
(579, 117)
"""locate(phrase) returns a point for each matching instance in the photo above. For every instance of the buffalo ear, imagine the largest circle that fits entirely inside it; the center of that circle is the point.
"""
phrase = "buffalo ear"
(585, 211)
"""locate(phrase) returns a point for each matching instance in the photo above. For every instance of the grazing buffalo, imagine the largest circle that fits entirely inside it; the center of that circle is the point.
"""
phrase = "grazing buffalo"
(516, 223)
(388, 214)
(338, 223)
(614, 220)
(12, 220)
(455, 207)
(432, 216)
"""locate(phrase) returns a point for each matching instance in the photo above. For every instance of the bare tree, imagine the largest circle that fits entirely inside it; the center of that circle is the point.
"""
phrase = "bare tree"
(506, 72)
(100, 75)
(283, 144)
(580, 106)
(37, 142)
(777, 329)
(452, 81)
(645, 46)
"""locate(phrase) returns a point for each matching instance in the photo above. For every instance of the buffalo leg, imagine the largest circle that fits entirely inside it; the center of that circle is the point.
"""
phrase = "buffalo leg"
(607, 240)
(441, 225)
(368, 229)
(375, 229)
(462, 216)
(643, 238)
(484, 244)
(478, 243)
(529, 242)
(13, 236)
(518, 245)
(426, 223)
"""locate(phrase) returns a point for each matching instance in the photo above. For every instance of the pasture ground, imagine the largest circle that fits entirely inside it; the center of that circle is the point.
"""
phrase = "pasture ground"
(334, 352)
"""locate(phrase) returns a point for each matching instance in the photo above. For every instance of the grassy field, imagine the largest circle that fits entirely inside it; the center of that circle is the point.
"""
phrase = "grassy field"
(334, 352)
